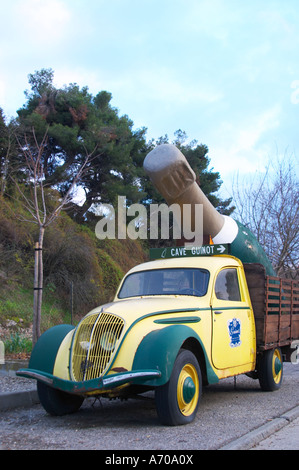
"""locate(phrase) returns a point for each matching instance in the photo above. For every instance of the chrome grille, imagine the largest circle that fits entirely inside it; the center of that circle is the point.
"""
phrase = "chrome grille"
(96, 339)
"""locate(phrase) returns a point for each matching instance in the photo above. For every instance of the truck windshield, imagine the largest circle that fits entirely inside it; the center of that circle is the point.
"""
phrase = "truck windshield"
(172, 281)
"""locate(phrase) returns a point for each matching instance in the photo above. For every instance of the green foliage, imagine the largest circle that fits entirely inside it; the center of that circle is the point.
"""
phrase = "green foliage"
(70, 260)
(126, 253)
(40, 81)
(79, 123)
(8, 308)
(16, 305)
(17, 343)
(111, 273)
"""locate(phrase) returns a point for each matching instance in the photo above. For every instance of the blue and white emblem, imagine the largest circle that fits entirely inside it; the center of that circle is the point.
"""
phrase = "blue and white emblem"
(234, 330)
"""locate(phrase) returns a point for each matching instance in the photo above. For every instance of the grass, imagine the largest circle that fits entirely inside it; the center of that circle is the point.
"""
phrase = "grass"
(17, 344)
(16, 312)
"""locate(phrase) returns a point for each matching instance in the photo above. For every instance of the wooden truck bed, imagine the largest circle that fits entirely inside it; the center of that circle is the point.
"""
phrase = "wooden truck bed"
(275, 303)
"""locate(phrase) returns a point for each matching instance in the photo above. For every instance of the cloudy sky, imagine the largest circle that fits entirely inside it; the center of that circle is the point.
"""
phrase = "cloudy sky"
(224, 71)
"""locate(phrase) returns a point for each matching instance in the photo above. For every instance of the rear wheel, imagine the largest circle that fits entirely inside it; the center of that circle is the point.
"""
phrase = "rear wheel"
(270, 370)
(177, 401)
(57, 402)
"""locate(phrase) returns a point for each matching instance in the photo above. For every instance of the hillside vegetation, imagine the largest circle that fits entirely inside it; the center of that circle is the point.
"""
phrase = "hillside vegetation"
(74, 260)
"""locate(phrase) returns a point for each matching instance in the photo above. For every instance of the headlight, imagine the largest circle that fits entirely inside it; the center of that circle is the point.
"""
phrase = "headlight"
(86, 345)
(108, 340)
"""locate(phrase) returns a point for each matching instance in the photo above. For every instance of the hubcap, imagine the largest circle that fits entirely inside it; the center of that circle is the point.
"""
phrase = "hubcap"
(277, 366)
(188, 390)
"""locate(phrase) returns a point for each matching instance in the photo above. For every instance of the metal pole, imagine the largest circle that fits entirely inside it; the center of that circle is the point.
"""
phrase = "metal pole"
(35, 289)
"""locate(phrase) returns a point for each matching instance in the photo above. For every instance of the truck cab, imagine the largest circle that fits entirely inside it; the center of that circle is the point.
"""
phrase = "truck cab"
(209, 294)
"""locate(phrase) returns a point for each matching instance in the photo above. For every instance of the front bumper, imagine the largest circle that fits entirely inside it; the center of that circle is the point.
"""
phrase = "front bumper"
(100, 384)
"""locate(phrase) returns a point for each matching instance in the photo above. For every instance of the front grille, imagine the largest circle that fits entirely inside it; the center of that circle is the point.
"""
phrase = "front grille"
(95, 341)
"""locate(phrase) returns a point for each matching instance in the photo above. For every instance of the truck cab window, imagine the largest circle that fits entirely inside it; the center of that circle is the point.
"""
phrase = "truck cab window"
(170, 281)
(227, 285)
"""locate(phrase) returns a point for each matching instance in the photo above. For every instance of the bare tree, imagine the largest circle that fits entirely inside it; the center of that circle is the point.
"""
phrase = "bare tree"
(268, 204)
(38, 212)
(6, 148)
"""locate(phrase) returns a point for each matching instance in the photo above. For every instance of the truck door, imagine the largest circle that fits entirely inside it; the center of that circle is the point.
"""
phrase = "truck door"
(232, 330)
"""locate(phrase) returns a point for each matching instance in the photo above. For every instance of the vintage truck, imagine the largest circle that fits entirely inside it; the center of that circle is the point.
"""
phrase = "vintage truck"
(191, 316)
(186, 319)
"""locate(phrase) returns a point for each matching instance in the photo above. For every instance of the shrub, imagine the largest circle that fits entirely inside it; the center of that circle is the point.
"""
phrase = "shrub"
(17, 343)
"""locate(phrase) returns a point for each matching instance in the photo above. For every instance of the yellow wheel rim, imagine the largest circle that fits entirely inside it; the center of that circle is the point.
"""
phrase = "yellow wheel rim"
(277, 366)
(188, 390)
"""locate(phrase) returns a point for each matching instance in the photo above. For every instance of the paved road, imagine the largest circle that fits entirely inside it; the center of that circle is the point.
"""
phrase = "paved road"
(226, 412)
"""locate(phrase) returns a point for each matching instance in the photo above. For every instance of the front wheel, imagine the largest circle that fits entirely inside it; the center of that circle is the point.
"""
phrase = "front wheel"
(270, 370)
(57, 402)
(177, 401)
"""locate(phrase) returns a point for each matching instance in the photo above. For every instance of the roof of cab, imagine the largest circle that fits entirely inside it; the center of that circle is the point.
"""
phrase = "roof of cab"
(204, 262)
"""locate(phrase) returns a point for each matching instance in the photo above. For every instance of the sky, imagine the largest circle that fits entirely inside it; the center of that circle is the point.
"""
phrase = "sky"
(224, 71)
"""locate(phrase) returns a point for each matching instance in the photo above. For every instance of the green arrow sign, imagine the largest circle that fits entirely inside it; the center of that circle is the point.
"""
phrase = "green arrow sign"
(187, 251)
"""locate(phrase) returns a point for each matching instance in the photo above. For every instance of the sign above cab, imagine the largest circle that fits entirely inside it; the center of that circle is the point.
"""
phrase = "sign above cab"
(187, 251)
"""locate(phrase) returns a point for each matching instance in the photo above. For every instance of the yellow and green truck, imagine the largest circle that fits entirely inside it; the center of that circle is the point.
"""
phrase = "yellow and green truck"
(178, 322)
(189, 317)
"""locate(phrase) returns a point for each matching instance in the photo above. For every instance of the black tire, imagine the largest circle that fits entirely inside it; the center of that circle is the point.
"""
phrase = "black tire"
(270, 370)
(177, 401)
(57, 402)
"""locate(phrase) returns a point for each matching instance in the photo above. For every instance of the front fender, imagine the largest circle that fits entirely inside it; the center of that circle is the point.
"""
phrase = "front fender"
(45, 350)
(159, 349)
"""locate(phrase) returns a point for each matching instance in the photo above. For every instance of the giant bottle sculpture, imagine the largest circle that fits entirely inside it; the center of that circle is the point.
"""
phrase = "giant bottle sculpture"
(173, 177)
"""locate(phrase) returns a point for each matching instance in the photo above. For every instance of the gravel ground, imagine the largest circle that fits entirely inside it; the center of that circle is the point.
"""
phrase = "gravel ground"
(9, 382)
(227, 411)
(15, 384)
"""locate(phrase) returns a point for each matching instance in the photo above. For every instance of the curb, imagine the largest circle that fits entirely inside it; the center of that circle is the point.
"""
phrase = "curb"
(12, 400)
(254, 437)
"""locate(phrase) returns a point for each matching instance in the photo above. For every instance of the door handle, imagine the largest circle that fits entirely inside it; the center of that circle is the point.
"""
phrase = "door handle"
(217, 312)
